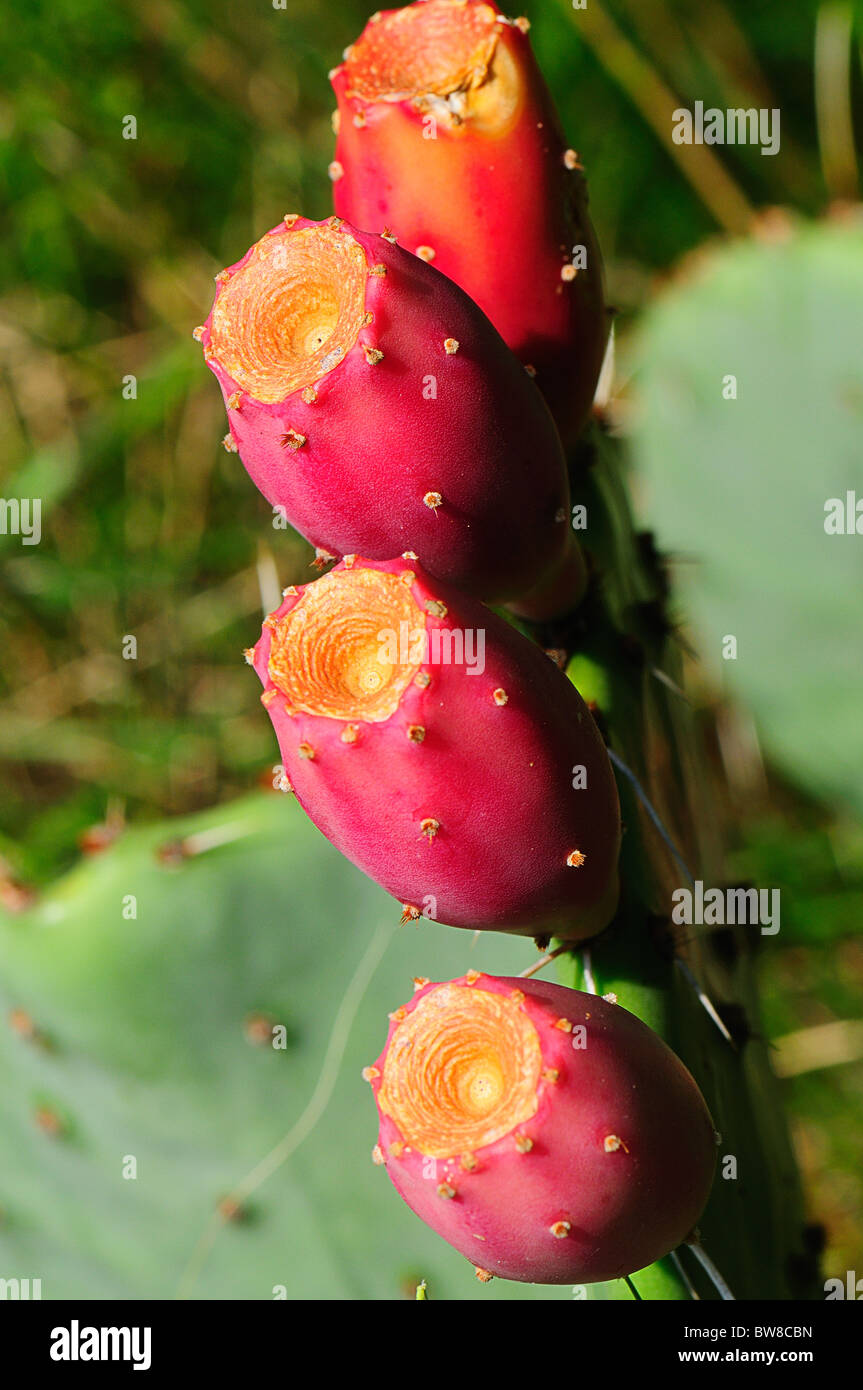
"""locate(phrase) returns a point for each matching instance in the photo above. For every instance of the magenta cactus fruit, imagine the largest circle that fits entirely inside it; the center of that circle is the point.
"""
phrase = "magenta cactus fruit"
(448, 134)
(442, 751)
(547, 1134)
(373, 402)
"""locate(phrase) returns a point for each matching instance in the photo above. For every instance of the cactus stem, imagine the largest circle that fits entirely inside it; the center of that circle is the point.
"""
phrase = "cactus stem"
(710, 1269)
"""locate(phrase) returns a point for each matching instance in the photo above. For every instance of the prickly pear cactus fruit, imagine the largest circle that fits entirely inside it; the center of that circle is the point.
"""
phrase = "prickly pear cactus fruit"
(448, 134)
(372, 401)
(546, 1133)
(440, 750)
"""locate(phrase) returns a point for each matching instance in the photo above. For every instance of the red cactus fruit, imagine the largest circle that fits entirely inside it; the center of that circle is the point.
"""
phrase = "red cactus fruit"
(448, 134)
(373, 402)
(442, 751)
(549, 1135)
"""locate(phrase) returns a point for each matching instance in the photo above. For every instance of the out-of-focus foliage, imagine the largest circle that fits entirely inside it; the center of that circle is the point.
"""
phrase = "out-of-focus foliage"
(150, 529)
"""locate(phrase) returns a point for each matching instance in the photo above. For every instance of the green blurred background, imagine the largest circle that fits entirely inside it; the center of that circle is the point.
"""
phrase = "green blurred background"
(718, 260)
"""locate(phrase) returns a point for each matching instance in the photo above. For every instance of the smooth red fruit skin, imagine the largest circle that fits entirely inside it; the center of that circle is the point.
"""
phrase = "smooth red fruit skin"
(625, 1209)
(502, 210)
(469, 425)
(498, 778)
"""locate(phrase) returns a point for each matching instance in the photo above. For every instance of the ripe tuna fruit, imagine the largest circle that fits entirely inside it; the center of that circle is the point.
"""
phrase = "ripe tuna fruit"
(448, 134)
(549, 1135)
(442, 751)
(375, 403)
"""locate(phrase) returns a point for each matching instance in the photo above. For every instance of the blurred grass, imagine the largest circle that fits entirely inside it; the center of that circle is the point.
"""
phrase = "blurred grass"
(107, 256)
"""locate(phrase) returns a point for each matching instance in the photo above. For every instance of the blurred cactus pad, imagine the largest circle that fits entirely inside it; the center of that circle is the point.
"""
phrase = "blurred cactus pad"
(151, 1039)
(754, 354)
